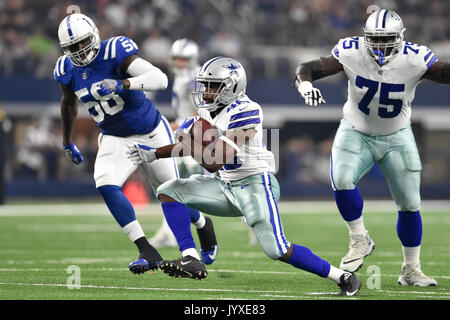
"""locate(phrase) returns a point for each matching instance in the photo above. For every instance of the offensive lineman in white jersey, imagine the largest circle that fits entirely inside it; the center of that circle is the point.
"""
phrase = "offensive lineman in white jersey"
(383, 72)
(246, 186)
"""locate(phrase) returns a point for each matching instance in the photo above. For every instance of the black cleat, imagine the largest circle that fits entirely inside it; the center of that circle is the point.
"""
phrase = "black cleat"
(185, 267)
(149, 259)
(208, 242)
(349, 284)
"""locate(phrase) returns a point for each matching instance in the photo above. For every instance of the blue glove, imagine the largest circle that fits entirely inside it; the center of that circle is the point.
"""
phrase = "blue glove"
(109, 86)
(187, 124)
(73, 153)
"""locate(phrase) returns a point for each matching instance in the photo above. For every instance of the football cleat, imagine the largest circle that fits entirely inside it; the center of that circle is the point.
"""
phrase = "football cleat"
(208, 242)
(209, 256)
(149, 259)
(412, 275)
(349, 284)
(361, 245)
(185, 267)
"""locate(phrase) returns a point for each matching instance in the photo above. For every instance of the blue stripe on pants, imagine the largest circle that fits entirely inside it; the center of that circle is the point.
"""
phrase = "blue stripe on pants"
(274, 216)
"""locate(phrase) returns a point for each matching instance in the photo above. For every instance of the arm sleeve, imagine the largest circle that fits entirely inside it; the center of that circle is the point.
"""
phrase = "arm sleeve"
(145, 76)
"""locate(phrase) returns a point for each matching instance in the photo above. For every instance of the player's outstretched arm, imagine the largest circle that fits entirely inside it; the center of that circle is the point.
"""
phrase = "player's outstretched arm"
(313, 70)
(144, 76)
(69, 112)
(438, 72)
(211, 157)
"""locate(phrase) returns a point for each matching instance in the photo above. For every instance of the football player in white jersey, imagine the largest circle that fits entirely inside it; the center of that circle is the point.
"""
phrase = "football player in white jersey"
(184, 61)
(383, 72)
(246, 186)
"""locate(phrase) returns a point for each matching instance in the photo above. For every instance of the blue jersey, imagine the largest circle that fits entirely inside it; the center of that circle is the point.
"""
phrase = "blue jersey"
(125, 114)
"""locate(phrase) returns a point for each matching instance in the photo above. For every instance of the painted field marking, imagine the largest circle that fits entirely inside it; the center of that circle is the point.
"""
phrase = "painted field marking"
(139, 288)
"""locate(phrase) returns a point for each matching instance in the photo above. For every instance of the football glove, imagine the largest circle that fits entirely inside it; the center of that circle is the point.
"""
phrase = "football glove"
(109, 86)
(312, 95)
(187, 124)
(73, 153)
(185, 127)
(140, 153)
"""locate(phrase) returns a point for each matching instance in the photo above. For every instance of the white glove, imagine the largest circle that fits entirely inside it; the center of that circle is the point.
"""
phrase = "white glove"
(312, 95)
(141, 153)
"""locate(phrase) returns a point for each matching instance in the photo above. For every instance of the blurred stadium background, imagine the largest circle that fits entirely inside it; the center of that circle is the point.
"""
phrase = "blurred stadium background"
(269, 37)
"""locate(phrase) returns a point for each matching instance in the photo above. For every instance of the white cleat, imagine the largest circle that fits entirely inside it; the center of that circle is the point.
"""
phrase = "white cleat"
(163, 238)
(412, 275)
(361, 245)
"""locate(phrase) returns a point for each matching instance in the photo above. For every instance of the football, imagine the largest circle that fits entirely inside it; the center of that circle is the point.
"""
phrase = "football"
(204, 132)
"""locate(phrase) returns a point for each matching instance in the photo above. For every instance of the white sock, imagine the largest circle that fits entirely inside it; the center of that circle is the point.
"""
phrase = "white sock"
(200, 223)
(356, 226)
(411, 255)
(133, 230)
(335, 274)
(190, 252)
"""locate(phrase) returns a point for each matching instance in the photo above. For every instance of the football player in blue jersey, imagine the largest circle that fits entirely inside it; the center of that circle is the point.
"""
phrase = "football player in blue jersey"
(109, 77)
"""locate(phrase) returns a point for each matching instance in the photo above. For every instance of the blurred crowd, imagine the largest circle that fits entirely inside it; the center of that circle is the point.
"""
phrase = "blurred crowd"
(29, 45)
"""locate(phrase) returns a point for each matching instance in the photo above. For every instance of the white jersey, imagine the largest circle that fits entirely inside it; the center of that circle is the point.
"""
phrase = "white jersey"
(253, 157)
(182, 102)
(379, 97)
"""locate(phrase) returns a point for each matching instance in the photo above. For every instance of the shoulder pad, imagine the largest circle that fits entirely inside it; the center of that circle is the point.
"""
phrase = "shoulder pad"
(119, 48)
(419, 55)
(63, 70)
(244, 114)
(346, 46)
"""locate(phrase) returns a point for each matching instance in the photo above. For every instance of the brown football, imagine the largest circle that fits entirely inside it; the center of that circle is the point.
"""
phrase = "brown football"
(204, 132)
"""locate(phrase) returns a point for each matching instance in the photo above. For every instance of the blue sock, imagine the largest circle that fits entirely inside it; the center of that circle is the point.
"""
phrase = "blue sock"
(118, 204)
(179, 221)
(349, 203)
(195, 214)
(304, 259)
(409, 228)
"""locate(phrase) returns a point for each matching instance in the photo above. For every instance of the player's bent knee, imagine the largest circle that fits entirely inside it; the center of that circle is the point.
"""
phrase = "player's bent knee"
(343, 177)
(268, 244)
(168, 191)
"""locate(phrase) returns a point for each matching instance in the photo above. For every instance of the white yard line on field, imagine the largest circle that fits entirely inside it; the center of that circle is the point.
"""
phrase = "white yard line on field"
(209, 270)
(140, 288)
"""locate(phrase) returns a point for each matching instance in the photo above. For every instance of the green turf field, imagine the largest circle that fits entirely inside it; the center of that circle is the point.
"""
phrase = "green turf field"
(39, 243)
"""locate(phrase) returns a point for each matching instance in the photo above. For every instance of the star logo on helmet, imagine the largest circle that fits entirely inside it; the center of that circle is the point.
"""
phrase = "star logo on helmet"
(232, 68)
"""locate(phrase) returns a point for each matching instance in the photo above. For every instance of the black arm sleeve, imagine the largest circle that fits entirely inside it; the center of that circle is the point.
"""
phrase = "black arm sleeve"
(439, 72)
(312, 68)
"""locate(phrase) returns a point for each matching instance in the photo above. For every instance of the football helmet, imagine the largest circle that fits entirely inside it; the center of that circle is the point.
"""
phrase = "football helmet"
(185, 49)
(383, 35)
(73, 29)
(219, 82)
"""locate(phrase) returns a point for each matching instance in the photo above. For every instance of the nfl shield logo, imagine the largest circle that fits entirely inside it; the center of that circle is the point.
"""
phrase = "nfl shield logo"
(84, 76)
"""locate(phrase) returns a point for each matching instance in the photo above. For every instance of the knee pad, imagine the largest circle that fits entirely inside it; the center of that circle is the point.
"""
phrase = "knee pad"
(170, 188)
(411, 202)
(342, 177)
(268, 244)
